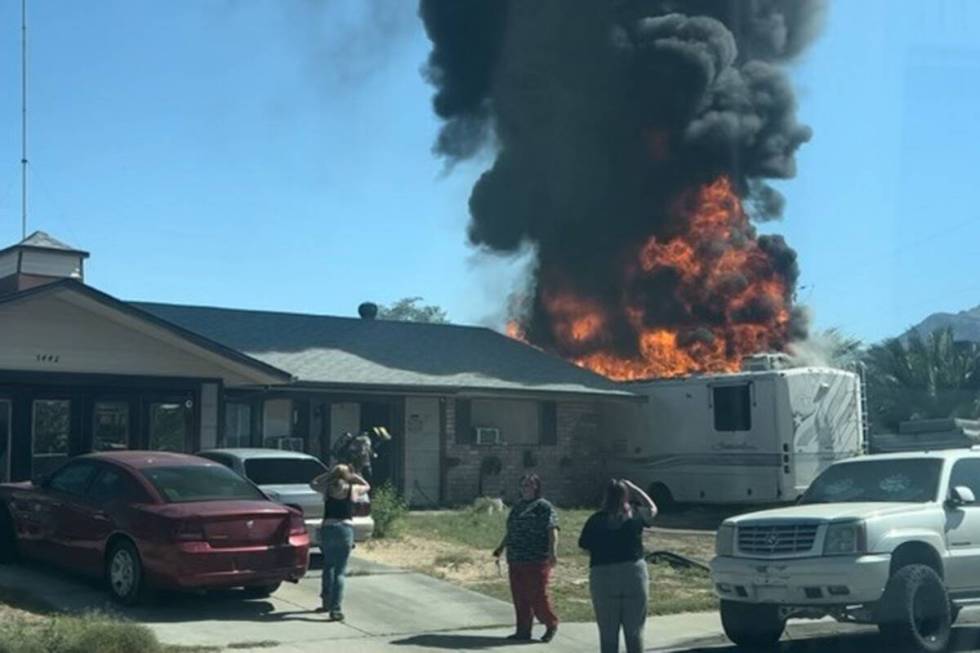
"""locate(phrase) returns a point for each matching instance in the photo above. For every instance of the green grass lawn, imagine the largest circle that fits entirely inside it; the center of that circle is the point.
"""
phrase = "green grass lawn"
(465, 539)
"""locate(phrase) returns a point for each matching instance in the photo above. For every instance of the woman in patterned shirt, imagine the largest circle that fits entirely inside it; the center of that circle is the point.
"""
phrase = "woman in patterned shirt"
(531, 542)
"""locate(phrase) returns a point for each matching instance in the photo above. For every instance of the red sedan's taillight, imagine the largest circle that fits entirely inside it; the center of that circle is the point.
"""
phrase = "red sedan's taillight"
(189, 532)
(296, 524)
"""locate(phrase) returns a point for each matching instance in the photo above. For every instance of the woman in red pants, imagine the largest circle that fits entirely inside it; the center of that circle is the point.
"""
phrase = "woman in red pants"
(531, 542)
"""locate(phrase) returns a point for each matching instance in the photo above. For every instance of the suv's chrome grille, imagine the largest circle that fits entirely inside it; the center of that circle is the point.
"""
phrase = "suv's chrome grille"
(776, 539)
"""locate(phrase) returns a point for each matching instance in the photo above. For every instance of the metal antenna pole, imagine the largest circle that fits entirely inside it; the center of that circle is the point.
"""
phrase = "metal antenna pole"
(23, 112)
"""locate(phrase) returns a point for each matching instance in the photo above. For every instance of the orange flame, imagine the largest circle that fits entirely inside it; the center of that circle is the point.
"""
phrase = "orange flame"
(714, 254)
(516, 331)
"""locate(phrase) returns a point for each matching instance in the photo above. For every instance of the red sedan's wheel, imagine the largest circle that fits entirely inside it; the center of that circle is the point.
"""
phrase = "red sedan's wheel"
(124, 572)
(8, 536)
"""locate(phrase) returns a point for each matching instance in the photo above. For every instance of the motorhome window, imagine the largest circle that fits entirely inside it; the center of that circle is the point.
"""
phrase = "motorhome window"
(733, 408)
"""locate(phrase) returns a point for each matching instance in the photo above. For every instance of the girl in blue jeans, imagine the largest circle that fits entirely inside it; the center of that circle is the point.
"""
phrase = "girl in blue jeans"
(340, 488)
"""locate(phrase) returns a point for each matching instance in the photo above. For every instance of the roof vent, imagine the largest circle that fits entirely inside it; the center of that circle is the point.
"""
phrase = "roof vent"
(368, 310)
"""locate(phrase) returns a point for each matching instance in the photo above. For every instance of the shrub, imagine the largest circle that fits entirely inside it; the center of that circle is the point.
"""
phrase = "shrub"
(387, 508)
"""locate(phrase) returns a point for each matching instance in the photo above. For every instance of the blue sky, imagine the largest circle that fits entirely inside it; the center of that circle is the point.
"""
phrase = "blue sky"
(277, 155)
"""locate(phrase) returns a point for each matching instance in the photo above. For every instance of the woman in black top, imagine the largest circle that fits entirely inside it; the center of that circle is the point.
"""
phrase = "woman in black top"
(340, 487)
(618, 578)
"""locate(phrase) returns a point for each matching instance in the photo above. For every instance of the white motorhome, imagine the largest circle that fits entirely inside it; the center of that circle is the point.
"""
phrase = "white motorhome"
(750, 437)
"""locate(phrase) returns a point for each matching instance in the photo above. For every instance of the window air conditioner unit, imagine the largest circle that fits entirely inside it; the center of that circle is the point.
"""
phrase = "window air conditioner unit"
(487, 435)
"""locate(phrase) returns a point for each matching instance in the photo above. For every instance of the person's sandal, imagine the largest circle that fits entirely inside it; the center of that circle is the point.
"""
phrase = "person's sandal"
(549, 634)
(520, 637)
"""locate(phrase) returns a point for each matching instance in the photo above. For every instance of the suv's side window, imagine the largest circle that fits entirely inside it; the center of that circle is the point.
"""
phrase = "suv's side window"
(966, 472)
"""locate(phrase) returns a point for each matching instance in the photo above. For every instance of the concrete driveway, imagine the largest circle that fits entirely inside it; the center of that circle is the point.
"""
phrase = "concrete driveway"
(392, 610)
(386, 609)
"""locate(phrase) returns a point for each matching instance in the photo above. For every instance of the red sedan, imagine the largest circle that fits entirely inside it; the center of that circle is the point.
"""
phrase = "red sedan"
(147, 519)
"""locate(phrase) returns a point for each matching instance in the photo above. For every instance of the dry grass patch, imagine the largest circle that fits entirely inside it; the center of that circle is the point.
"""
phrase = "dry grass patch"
(28, 625)
(456, 546)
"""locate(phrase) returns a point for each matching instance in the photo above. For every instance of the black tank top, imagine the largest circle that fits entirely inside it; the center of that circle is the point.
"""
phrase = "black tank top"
(339, 508)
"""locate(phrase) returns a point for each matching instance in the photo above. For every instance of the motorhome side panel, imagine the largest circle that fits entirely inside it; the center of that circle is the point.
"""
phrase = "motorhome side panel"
(825, 422)
(708, 440)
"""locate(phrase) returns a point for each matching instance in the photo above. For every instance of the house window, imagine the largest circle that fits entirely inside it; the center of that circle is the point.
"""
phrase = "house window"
(549, 422)
(278, 426)
(238, 425)
(169, 425)
(110, 429)
(50, 431)
(518, 422)
(733, 407)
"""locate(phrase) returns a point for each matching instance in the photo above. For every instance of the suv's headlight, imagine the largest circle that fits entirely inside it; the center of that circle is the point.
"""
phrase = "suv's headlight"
(844, 538)
(725, 540)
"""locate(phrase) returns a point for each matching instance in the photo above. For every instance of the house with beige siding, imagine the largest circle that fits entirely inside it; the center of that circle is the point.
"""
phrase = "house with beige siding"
(469, 409)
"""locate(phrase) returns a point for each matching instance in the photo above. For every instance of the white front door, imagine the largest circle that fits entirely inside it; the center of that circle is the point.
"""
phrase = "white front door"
(5, 440)
(422, 431)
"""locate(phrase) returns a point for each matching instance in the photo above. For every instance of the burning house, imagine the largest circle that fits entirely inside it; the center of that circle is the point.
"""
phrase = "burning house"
(634, 143)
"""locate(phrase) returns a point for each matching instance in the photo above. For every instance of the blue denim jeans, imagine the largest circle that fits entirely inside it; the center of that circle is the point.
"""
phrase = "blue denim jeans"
(336, 542)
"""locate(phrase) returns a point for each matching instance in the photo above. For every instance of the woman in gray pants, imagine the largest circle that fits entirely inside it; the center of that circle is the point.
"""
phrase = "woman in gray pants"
(618, 578)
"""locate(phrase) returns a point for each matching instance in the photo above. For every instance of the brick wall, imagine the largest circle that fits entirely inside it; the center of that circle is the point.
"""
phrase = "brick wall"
(571, 471)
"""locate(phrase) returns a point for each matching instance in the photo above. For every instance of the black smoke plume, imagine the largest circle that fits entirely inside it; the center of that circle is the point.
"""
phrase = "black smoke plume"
(602, 114)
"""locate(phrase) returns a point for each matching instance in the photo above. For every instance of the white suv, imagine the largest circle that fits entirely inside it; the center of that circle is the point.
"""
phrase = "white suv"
(892, 540)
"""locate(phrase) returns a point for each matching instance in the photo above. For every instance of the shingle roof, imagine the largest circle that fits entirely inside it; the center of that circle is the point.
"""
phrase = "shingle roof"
(351, 352)
(41, 240)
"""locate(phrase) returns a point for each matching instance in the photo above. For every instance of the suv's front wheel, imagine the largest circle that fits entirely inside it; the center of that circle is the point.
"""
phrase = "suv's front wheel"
(915, 611)
(751, 625)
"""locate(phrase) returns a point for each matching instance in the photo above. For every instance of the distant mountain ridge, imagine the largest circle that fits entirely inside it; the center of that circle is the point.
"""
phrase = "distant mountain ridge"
(965, 324)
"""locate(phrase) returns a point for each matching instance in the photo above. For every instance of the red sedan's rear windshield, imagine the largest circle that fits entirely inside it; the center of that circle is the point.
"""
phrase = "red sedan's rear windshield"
(282, 471)
(200, 483)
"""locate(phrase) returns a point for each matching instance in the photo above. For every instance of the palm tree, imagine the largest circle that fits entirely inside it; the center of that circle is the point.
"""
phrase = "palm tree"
(917, 378)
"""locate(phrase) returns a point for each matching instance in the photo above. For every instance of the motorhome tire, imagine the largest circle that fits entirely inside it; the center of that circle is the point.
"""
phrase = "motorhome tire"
(663, 497)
